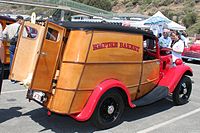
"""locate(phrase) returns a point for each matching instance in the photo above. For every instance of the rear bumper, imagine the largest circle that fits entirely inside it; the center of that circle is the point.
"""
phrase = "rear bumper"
(30, 97)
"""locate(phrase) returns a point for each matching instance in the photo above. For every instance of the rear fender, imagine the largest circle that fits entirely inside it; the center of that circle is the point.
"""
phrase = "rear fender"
(106, 85)
(172, 77)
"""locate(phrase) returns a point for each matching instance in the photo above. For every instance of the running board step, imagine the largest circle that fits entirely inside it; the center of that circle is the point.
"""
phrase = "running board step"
(156, 94)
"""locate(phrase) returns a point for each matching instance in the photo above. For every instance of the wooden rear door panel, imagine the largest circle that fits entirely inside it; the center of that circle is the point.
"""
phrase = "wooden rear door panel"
(27, 52)
(48, 57)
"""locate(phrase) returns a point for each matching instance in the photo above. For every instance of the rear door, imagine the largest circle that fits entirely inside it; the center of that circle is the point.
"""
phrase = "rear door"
(48, 57)
(27, 51)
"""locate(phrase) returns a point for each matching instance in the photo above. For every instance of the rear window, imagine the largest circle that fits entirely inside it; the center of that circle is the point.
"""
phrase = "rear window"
(30, 32)
(52, 34)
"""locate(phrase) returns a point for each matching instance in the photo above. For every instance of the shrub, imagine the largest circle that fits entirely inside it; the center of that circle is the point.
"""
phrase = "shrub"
(134, 2)
(194, 29)
(189, 19)
(102, 4)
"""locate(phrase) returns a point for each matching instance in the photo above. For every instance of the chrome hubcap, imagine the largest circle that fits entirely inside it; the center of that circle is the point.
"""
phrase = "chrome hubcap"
(183, 93)
(111, 109)
(184, 88)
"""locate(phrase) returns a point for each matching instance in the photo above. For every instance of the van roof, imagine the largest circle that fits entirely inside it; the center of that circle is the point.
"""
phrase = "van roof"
(104, 27)
(7, 18)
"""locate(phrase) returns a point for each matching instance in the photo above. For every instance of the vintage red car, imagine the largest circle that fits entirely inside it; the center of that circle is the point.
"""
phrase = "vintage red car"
(192, 53)
(94, 70)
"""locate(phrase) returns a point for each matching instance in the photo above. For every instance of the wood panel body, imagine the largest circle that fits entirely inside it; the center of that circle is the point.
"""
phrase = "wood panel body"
(150, 76)
(71, 70)
(113, 55)
(84, 67)
(89, 58)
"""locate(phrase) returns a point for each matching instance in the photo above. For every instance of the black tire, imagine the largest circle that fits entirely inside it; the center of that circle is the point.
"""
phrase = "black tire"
(182, 91)
(109, 110)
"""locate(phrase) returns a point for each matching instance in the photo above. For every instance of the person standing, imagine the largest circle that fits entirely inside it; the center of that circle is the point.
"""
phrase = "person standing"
(1, 65)
(10, 34)
(1, 35)
(165, 41)
(184, 37)
(177, 46)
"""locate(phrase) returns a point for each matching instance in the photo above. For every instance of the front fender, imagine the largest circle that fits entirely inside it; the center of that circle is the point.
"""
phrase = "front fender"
(89, 108)
(172, 77)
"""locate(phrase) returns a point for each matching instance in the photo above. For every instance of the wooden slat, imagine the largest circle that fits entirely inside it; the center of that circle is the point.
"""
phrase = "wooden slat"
(77, 46)
(62, 100)
(79, 101)
(69, 76)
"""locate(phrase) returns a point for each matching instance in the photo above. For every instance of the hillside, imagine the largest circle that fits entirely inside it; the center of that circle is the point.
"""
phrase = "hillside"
(185, 12)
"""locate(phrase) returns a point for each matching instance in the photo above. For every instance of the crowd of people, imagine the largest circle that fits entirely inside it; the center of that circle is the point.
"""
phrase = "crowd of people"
(175, 41)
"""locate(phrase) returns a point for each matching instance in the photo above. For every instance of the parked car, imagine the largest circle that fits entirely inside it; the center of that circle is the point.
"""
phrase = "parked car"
(94, 70)
(192, 53)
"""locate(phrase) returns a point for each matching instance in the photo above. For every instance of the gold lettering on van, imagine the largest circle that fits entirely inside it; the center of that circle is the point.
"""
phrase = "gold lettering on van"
(105, 45)
(129, 46)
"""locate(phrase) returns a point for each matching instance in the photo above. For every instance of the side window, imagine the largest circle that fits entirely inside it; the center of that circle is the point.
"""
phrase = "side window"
(29, 32)
(149, 50)
(52, 34)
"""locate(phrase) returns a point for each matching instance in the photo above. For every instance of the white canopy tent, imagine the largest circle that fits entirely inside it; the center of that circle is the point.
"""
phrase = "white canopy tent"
(175, 26)
(171, 25)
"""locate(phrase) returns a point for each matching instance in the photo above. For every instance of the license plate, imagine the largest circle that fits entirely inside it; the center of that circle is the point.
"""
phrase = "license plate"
(38, 96)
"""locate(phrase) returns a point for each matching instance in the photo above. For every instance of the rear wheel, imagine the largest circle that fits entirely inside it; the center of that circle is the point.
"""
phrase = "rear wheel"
(109, 110)
(182, 92)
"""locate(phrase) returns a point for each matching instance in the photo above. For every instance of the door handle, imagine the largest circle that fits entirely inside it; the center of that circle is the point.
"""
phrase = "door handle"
(158, 62)
(43, 53)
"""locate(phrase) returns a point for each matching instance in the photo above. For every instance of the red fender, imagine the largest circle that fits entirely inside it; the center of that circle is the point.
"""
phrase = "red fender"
(89, 108)
(173, 76)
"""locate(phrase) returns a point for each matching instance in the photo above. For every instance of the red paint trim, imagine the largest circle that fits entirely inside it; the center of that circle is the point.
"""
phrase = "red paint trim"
(157, 49)
(89, 108)
(173, 75)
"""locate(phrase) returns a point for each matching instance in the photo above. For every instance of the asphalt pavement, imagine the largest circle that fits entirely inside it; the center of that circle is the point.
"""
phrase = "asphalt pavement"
(18, 115)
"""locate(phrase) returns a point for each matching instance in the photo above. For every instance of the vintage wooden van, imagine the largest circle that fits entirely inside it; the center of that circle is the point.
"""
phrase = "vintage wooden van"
(94, 70)
(4, 51)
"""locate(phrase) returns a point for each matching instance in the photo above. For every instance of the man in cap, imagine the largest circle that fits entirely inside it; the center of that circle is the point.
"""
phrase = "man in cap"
(165, 41)
(10, 33)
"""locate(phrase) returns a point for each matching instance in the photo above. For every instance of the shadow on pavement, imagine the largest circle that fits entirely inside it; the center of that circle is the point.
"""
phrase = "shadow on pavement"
(193, 62)
(146, 111)
(7, 114)
(61, 123)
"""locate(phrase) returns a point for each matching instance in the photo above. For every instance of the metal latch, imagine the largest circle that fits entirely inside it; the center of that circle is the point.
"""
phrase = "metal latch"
(43, 53)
